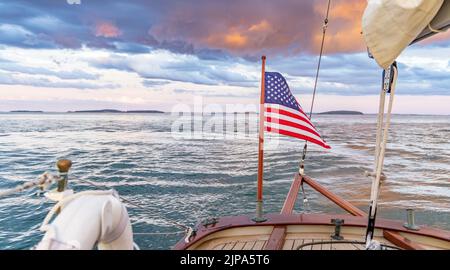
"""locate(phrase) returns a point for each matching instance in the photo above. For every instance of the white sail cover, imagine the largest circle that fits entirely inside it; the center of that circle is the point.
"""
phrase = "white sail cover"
(389, 26)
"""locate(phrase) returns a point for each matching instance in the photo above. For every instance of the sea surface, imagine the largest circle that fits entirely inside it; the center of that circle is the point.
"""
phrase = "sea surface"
(187, 179)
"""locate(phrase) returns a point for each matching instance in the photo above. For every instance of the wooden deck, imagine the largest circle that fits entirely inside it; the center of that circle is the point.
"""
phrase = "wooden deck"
(297, 237)
(309, 236)
(296, 244)
(239, 245)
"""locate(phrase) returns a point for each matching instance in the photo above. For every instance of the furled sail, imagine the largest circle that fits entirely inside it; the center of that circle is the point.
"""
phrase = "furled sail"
(440, 23)
(389, 26)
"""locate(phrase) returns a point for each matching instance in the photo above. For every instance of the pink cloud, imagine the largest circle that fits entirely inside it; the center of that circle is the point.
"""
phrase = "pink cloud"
(107, 29)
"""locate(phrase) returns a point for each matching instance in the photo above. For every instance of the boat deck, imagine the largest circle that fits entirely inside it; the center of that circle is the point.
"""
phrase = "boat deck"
(298, 244)
(309, 232)
(290, 231)
(239, 239)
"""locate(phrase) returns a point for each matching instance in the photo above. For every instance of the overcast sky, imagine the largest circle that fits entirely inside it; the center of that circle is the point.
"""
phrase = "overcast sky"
(56, 56)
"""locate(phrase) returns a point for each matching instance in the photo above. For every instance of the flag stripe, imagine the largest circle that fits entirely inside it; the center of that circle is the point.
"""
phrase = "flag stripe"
(294, 130)
(297, 135)
(290, 119)
(295, 111)
(288, 112)
(291, 124)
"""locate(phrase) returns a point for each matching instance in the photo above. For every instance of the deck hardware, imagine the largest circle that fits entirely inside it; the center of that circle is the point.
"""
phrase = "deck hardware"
(337, 229)
(190, 234)
(259, 213)
(410, 220)
(210, 221)
(63, 168)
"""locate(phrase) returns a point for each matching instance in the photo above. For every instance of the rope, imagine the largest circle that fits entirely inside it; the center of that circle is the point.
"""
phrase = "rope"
(324, 31)
(380, 120)
(43, 180)
(380, 149)
(381, 154)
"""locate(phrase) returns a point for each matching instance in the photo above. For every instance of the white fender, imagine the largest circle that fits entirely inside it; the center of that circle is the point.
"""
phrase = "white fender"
(86, 219)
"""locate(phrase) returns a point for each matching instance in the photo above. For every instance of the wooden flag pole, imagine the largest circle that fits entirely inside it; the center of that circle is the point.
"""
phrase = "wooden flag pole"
(259, 202)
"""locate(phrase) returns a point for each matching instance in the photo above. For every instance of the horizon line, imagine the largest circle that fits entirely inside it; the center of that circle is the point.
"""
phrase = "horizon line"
(165, 112)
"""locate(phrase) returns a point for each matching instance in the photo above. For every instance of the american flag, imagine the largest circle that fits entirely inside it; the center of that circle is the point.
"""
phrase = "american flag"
(284, 115)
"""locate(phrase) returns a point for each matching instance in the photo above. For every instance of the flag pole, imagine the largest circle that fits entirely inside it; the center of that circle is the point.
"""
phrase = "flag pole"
(259, 197)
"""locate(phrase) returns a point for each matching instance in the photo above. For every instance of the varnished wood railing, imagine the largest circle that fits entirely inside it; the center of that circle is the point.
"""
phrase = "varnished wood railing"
(276, 239)
(355, 211)
(291, 198)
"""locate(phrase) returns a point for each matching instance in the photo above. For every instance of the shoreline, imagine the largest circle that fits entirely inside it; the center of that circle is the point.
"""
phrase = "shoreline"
(162, 112)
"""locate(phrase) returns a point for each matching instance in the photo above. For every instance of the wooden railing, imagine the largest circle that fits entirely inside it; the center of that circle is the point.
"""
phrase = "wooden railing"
(291, 198)
(276, 239)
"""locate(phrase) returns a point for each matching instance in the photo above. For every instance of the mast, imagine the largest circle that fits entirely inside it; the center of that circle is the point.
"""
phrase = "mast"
(259, 195)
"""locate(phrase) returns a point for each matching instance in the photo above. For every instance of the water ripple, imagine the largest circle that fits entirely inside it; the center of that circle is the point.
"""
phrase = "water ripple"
(188, 180)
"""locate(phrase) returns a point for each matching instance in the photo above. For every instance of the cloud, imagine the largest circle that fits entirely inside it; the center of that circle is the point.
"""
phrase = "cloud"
(170, 50)
(422, 72)
(239, 28)
(16, 35)
(154, 83)
(62, 74)
(10, 79)
(164, 65)
(107, 29)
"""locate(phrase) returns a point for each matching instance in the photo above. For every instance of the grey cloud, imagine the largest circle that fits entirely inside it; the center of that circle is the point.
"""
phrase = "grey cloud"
(8, 79)
(65, 75)
(189, 70)
(15, 35)
(154, 83)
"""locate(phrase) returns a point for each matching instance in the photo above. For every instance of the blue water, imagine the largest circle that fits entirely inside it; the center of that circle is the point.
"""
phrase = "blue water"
(187, 180)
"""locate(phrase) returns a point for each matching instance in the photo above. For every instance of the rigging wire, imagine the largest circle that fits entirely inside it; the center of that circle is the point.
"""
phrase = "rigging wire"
(324, 31)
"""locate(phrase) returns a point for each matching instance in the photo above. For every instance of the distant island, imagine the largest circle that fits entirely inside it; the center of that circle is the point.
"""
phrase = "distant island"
(144, 111)
(343, 112)
(25, 111)
(116, 111)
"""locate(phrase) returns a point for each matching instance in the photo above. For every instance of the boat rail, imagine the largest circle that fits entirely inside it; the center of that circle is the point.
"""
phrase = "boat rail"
(276, 238)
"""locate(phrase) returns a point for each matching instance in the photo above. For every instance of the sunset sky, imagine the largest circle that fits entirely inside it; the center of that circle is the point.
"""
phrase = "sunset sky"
(60, 55)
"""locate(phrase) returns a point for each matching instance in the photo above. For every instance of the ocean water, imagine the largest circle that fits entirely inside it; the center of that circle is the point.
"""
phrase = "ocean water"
(190, 179)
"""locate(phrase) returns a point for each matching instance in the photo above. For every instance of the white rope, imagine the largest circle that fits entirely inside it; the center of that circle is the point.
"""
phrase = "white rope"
(43, 180)
(380, 123)
(385, 134)
(380, 149)
(379, 159)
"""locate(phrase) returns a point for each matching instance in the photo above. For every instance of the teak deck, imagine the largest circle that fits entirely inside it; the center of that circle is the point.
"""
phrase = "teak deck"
(292, 244)
(241, 233)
